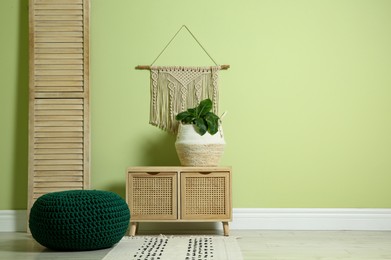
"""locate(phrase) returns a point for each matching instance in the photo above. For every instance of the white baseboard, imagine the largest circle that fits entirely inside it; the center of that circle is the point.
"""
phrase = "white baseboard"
(13, 220)
(311, 219)
(261, 219)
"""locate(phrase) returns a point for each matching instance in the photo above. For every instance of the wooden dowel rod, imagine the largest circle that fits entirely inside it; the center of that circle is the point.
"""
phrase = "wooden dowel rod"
(143, 67)
(147, 67)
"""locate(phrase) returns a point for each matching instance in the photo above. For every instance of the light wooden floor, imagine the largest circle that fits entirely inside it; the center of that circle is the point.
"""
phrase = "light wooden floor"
(254, 245)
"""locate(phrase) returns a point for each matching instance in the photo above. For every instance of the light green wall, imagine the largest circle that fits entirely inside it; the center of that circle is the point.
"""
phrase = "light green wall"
(13, 104)
(308, 95)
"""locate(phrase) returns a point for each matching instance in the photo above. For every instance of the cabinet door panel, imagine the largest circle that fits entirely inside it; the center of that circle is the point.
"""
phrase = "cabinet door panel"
(205, 196)
(152, 196)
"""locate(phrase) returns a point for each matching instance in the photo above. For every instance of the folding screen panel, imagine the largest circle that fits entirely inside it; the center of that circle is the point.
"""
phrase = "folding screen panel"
(59, 97)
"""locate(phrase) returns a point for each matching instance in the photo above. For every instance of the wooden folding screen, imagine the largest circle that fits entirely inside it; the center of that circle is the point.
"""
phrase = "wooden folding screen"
(59, 97)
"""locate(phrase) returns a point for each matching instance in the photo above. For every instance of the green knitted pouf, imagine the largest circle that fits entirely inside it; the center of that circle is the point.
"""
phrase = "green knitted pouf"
(79, 219)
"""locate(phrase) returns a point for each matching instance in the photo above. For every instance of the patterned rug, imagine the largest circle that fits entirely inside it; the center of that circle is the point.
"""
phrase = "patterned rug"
(176, 247)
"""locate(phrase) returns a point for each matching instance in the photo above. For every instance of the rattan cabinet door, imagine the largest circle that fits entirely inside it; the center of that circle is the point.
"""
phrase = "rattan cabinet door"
(152, 196)
(206, 196)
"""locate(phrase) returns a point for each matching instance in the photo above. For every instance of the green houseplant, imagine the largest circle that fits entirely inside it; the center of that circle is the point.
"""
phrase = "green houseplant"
(197, 143)
(201, 117)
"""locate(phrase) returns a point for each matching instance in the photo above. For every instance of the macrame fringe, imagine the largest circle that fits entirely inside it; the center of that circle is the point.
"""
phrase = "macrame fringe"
(176, 88)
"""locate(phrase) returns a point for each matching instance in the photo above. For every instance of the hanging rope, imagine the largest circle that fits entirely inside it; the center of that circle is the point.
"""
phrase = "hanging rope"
(148, 67)
(168, 44)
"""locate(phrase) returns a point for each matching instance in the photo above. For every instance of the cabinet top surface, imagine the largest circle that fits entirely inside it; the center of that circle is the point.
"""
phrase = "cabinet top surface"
(178, 168)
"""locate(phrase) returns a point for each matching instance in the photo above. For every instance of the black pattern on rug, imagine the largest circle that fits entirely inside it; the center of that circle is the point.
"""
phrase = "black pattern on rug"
(198, 248)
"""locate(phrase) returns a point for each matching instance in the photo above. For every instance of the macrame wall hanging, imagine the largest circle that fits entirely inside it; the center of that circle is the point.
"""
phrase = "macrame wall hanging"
(177, 88)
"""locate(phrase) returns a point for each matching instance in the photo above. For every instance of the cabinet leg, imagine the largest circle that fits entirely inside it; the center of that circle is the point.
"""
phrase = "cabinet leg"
(226, 228)
(133, 228)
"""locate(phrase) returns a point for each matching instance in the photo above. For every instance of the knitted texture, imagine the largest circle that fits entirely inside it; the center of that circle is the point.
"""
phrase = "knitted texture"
(79, 219)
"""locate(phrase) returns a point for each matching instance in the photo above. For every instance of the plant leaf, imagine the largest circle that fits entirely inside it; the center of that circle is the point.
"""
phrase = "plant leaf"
(204, 107)
(212, 121)
(188, 120)
(181, 116)
(200, 126)
(192, 112)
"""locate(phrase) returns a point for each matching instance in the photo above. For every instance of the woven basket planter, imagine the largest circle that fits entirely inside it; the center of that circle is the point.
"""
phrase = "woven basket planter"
(196, 150)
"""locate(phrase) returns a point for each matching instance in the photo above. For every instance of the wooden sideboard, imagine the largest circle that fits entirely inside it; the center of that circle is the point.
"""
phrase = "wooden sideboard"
(179, 194)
